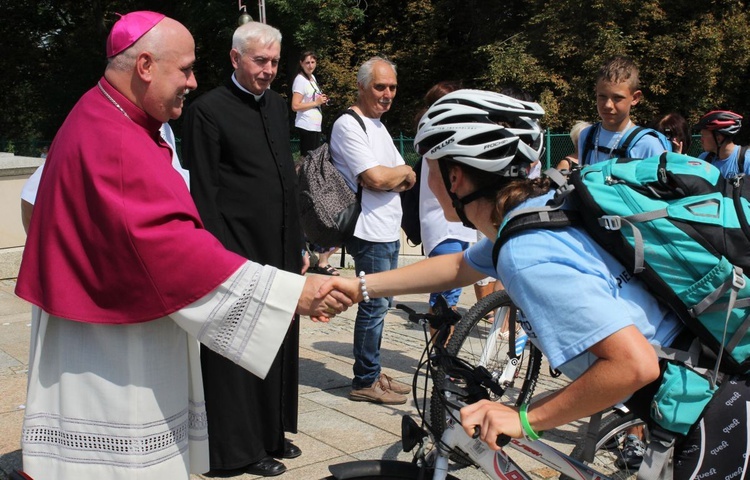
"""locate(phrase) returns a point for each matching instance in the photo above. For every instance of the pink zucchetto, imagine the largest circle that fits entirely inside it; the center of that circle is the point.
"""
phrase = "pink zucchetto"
(129, 28)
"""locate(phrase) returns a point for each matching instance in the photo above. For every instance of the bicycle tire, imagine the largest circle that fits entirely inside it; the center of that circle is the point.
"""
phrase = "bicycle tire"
(469, 342)
(613, 427)
(384, 476)
(380, 470)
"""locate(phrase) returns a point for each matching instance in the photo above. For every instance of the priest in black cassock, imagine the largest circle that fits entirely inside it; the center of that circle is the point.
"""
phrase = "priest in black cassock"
(236, 146)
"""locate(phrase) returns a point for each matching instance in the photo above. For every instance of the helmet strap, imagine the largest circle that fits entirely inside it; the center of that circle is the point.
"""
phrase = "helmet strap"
(458, 204)
(719, 145)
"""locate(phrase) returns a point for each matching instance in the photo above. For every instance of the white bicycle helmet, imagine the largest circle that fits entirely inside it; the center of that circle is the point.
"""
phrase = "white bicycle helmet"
(490, 131)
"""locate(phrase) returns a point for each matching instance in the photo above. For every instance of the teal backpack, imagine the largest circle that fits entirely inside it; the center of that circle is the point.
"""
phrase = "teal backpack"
(624, 146)
(674, 222)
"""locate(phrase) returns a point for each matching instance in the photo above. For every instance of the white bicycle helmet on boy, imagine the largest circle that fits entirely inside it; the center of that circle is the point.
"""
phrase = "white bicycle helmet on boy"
(486, 130)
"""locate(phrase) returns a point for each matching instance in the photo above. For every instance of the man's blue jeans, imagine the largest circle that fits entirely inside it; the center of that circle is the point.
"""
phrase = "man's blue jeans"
(449, 245)
(370, 257)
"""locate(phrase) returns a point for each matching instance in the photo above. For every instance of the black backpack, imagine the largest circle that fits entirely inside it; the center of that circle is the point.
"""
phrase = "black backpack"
(410, 210)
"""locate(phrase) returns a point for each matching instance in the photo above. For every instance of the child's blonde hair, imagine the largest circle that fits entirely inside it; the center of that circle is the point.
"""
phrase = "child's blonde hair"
(575, 131)
(620, 69)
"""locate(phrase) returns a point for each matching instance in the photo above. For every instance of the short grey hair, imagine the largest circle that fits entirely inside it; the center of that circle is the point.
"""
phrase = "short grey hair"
(364, 75)
(255, 33)
(123, 61)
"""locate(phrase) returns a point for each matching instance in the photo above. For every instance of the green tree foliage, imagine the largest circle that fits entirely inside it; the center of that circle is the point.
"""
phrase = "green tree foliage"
(323, 26)
(52, 53)
(693, 56)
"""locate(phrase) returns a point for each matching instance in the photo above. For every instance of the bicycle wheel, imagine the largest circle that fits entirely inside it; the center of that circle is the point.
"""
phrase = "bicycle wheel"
(380, 470)
(478, 342)
(609, 443)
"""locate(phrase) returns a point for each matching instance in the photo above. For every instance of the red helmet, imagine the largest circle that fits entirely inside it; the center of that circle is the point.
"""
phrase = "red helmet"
(721, 121)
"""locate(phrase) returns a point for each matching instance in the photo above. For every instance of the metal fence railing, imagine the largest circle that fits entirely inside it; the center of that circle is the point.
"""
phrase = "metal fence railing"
(557, 146)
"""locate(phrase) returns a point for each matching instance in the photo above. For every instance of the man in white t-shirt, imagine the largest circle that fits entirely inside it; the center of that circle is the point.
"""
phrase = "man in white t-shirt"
(370, 158)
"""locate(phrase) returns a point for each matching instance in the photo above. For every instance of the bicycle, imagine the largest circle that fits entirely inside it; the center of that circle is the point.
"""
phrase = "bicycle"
(469, 360)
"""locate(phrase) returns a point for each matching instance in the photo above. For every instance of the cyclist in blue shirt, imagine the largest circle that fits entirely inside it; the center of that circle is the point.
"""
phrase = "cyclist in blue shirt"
(718, 129)
(593, 321)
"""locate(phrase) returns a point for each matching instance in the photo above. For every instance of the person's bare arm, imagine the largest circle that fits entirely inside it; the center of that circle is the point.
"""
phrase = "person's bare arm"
(434, 274)
(398, 179)
(26, 210)
(626, 362)
(298, 106)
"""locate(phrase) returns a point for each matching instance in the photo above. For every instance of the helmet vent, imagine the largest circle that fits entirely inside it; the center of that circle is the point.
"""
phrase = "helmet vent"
(428, 143)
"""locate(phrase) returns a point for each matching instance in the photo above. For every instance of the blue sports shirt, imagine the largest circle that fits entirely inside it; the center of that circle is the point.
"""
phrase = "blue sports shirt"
(571, 292)
(729, 167)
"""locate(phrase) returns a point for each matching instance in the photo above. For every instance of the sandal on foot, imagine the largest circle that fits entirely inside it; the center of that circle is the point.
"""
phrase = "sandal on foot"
(326, 270)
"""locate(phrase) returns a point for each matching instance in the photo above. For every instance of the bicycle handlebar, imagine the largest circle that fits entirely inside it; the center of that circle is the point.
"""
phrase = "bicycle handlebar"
(502, 439)
(478, 379)
(442, 314)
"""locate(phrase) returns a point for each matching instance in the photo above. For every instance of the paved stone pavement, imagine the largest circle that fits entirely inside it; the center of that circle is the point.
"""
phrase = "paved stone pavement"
(332, 429)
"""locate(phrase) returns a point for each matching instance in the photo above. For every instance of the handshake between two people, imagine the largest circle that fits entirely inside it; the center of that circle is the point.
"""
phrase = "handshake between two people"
(325, 297)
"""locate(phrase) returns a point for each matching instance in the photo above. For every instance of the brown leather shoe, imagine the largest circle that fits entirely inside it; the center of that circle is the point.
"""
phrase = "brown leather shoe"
(378, 392)
(394, 385)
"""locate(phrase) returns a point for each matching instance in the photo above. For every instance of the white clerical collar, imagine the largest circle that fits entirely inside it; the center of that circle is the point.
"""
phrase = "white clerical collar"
(257, 97)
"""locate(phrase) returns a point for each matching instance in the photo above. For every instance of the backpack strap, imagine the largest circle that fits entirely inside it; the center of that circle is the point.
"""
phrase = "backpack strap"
(549, 216)
(361, 122)
(531, 218)
(622, 149)
(354, 114)
(588, 143)
(741, 160)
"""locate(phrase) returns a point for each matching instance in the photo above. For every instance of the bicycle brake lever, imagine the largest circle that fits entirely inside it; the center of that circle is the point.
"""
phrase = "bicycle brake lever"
(408, 310)
(485, 379)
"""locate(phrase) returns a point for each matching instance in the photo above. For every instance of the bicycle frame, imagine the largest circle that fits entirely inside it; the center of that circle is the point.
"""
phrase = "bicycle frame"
(498, 464)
